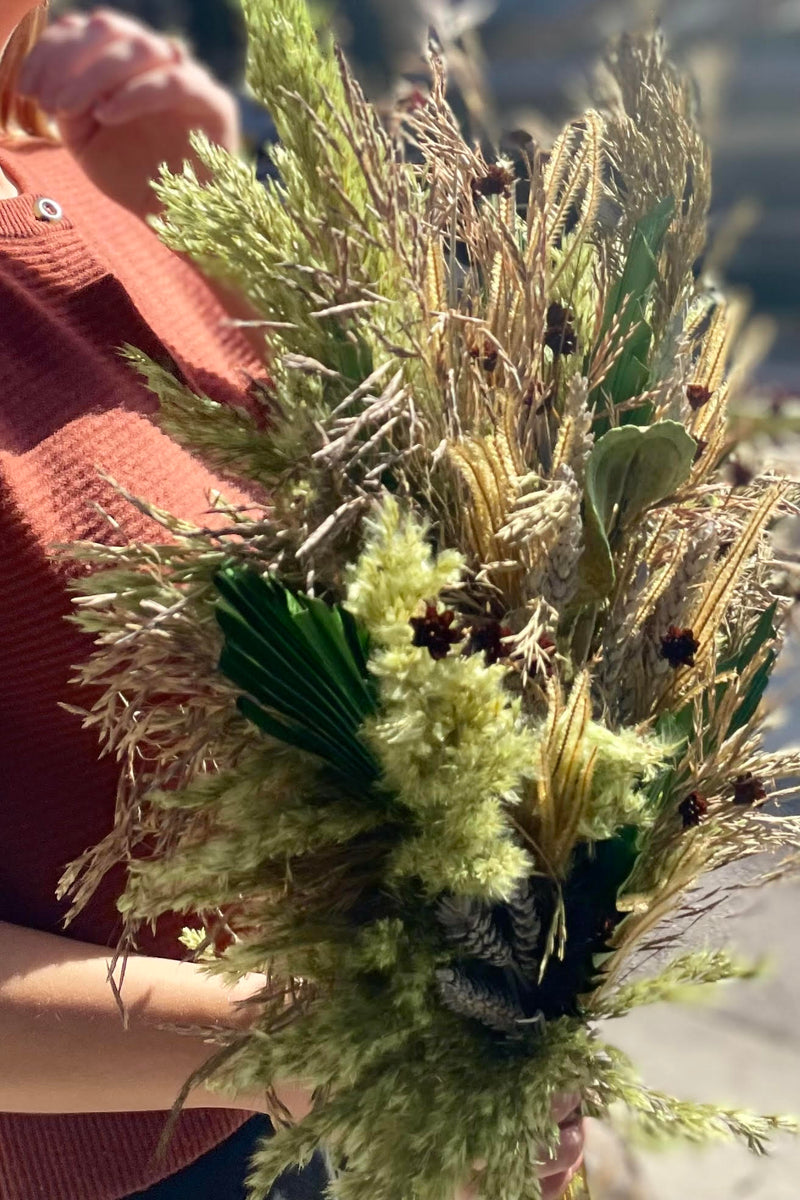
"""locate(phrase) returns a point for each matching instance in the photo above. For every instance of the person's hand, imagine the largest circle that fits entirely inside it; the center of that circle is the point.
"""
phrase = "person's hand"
(125, 99)
(556, 1173)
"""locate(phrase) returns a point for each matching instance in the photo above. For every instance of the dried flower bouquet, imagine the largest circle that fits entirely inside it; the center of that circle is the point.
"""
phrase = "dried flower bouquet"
(441, 731)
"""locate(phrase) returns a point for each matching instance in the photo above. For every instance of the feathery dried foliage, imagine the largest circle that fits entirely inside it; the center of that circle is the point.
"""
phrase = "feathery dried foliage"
(444, 730)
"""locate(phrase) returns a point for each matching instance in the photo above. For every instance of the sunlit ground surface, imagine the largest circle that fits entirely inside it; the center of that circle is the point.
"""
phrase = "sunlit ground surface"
(742, 1049)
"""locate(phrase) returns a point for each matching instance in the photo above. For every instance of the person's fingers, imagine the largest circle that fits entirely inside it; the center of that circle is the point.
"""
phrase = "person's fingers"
(79, 53)
(569, 1153)
(183, 85)
(555, 1187)
(115, 64)
(565, 1104)
(68, 39)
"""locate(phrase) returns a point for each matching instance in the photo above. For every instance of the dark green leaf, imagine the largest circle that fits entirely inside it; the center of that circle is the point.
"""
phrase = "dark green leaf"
(758, 685)
(303, 666)
(763, 632)
(627, 302)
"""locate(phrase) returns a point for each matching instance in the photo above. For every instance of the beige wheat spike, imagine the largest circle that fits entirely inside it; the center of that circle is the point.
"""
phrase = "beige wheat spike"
(498, 459)
(506, 445)
(654, 534)
(725, 326)
(591, 179)
(714, 449)
(660, 580)
(706, 617)
(485, 470)
(477, 513)
(572, 770)
(574, 433)
(495, 291)
(507, 429)
(507, 208)
(564, 188)
(711, 417)
(559, 161)
(435, 275)
(712, 355)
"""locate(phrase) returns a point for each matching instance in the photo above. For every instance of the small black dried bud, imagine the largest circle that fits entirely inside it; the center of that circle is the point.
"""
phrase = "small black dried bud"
(434, 632)
(606, 929)
(488, 355)
(496, 182)
(488, 638)
(692, 810)
(697, 395)
(740, 475)
(679, 647)
(560, 335)
(747, 789)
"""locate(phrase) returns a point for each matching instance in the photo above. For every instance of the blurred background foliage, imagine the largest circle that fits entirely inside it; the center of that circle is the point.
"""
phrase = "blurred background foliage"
(537, 59)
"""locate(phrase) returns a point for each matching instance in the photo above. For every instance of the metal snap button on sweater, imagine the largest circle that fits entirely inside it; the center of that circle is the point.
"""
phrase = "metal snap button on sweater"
(48, 210)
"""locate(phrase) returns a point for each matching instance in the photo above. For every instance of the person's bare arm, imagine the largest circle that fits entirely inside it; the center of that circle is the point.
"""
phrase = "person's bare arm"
(63, 1046)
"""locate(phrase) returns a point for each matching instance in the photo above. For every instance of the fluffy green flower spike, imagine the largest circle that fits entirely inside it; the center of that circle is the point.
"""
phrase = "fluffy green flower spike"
(449, 737)
(623, 762)
(395, 573)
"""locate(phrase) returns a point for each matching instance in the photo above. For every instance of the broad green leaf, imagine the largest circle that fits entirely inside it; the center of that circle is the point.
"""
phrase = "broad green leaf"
(302, 665)
(641, 266)
(629, 469)
(285, 663)
(627, 302)
(758, 685)
(764, 632)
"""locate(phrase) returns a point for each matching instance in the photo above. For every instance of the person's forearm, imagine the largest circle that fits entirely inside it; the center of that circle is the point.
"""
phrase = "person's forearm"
(63, 1046)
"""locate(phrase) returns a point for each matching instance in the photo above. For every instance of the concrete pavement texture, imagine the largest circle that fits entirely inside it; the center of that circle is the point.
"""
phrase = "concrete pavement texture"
(741, 1049)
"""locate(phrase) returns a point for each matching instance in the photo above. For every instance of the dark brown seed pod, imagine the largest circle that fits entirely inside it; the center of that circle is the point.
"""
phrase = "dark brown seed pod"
(679, 646)
(748, 789)
(740, 475)
(560, 335)
(698, 395)
(497, 181)
(488, 639)
(434, 632)
(488, 354)
(692, 810)
(702, 446)
(490, 357)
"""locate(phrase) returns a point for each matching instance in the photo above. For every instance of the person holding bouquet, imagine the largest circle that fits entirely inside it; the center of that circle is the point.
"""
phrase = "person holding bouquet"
(89, 108)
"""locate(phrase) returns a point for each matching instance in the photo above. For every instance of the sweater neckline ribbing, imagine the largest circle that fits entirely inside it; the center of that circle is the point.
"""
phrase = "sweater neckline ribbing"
(18, 215)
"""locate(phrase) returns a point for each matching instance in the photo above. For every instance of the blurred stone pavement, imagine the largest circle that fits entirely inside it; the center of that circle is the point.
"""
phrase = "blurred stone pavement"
(743, 1049)
(740, 1047)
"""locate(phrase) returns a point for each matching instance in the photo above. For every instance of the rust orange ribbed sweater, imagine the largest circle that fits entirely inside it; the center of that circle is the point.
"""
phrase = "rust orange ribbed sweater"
(71, 291)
